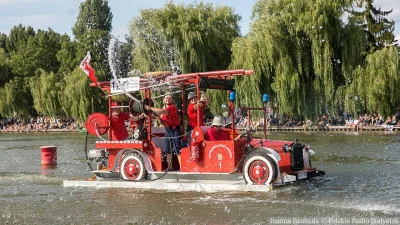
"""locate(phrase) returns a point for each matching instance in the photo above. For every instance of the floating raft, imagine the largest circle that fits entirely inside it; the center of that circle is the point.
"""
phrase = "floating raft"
(171, 185)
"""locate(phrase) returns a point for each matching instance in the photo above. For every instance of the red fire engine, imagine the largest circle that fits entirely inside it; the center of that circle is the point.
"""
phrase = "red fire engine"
(244, 157)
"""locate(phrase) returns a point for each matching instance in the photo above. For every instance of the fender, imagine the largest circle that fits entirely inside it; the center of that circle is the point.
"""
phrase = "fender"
(272, 153)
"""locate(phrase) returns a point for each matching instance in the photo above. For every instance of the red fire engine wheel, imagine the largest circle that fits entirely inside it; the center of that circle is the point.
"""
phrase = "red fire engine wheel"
(97, 121)
(132, 167)
(259, 169)
(259, 172)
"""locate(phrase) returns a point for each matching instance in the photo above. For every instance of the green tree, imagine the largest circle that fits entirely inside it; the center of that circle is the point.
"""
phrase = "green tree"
(77, 99)
(17, 37)
(191, 38)
(38, 52)
(295, 48)
(45, 90)
(15, 99)
(5, 68)
(194, 37)
(374, 87)
(378, 29)
(372, 84)
(92, 33)
(66, 56)
(3, 41)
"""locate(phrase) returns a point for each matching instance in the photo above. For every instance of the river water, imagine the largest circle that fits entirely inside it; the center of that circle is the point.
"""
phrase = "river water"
(362, 185)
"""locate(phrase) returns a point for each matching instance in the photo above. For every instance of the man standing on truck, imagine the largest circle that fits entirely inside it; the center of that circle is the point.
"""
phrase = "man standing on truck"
(192, 112)
(117, 122)
(169, 116)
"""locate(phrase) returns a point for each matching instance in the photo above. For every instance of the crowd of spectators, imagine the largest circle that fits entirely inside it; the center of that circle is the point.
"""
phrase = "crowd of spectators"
(323, 121)
(40, 123)
(44, 123)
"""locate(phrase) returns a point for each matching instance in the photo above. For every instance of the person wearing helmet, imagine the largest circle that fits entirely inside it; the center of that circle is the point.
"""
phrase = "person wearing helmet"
(192, 109)
(169, 116)
(216, 133)
(117, 122)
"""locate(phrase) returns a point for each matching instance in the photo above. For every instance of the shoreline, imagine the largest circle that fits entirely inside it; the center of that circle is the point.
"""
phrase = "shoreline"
(258, 129)
(44, 131)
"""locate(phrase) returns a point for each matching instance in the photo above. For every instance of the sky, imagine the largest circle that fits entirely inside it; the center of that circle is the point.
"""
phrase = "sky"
(60, 15)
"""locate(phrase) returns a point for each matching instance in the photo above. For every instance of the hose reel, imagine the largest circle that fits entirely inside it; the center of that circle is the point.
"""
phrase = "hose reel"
(97, 124)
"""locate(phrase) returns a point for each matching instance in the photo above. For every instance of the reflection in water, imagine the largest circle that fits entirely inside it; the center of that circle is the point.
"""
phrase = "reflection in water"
(48, 169)
(361, 181)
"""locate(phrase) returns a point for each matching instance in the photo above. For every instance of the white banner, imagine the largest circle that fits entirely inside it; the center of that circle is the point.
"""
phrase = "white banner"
(128, 85)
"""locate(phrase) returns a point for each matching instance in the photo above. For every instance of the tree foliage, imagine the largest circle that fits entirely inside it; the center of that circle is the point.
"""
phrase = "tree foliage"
(5, 68)
(45, 90)
(17, 37)
(307, 58)
(16, 99)
(75, 99)
(66, 56)
(307, 55)
(195, 37)
(92, 33)
(295, 49)
(189, 37)
(378, 29)
(375, 87)
(38, 52)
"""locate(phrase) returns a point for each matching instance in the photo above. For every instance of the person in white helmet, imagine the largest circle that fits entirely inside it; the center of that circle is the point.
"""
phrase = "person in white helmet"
(216, 133)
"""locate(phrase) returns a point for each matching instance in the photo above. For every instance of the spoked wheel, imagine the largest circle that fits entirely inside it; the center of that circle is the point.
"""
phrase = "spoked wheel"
(259, 169)
(132, 167)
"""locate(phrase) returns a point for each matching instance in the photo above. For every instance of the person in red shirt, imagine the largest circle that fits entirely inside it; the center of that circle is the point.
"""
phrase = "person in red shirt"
(192, 112)
(216, 133)
(117, 122)
(169, 116)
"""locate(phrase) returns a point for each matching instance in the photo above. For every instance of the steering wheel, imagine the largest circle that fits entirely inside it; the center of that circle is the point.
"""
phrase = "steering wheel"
(245, 134)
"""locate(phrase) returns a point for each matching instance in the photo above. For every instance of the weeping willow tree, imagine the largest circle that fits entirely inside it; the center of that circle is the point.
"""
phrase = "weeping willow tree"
(374, 87)
(45, 90)
(77, 98)
(297, 49)
(7, 104)
(382, 77)
(187, 38)
(249, 89)
(195, 37)
(15, 99)
(372, 68)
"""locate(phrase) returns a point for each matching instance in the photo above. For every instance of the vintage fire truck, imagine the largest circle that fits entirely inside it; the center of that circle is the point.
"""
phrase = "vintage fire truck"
(243, 158)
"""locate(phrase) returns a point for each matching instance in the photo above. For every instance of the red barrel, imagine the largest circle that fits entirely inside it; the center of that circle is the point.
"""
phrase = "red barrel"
(49, 155)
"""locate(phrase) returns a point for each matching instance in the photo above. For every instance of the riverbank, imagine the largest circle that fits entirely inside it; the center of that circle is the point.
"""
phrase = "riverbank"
(333, 128)
(273, 128)
(65, 130)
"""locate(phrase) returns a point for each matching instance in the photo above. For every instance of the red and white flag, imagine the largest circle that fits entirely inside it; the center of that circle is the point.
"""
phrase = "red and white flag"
(85, 66)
